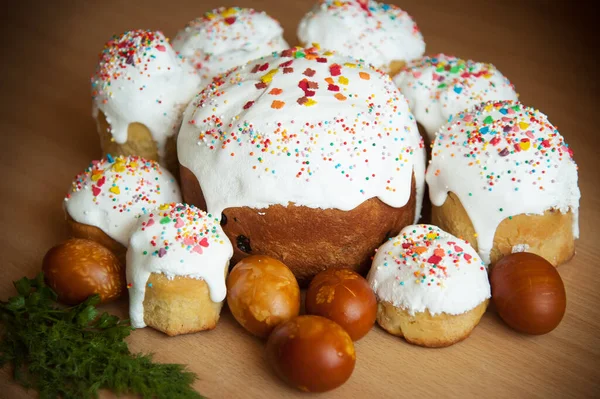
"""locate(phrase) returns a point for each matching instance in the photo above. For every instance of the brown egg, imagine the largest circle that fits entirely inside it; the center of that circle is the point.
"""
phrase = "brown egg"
(262, 293)
(78, 268)
(343, 296)
(528, 292)
(311, 353)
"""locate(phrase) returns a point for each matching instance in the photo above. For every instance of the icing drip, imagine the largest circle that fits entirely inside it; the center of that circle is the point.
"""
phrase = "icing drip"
(503, 159)
(441, 86)
(425, 268)
(307, 127)
(375, 32)
(111, 193)
(176, 240)
(227, 37)
(141, 79)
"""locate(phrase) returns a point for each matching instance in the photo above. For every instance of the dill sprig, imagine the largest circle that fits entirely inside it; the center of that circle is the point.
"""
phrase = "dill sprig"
(74, 352)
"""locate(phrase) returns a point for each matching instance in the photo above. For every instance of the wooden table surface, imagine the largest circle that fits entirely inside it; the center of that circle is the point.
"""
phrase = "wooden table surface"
(48, 135)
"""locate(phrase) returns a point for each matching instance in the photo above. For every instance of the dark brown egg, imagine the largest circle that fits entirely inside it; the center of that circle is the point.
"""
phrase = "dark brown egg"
(528, 292)
(344, 296)
(311, 353)
(78, 268)
(262, 293)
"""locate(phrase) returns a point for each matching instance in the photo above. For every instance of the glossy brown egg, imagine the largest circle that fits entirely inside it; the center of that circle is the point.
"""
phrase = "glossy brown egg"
(344, 296)
(528, 292)
(311, 353)
(262, 293)
(78, 268)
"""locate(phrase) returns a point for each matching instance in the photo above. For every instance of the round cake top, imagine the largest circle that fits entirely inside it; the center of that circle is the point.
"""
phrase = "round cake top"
(503, 159)
(176, 240)
(441, 86)
(425, 268)
(140, 78)
(375, 32)
(227, 37)
(304, 126)
(112, 192)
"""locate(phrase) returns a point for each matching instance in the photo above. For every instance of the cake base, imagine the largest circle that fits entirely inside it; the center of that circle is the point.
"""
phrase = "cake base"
(424, 329)
(88, 232)
(180, 305)
(549, 235)
(308, 240)
(139, 142)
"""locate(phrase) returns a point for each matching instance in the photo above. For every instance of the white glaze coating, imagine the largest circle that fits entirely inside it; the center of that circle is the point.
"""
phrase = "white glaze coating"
(375, 32)
(111, 193)
(503, 159)
(227, 37)
(176, 240)
(307, 127)
(141, 79)
(425, 268)
(441, 86)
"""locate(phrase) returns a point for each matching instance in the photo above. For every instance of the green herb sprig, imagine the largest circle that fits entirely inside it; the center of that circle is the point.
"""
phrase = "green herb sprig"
(74, 352)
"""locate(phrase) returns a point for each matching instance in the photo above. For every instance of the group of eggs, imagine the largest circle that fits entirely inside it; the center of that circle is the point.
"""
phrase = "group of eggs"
(312, 352)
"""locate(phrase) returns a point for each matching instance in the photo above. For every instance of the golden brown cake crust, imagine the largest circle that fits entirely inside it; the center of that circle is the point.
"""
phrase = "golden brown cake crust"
(80, 230)
(308, 240)
(549, 235)
(423, 329)
(181, 305)
(139, 142)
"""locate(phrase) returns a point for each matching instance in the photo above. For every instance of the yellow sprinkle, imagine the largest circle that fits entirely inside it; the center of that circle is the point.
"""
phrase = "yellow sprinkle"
(310, 102)
(268, 77)
(316, 45)
(96, 175)
(229, 12)
(525, 145)
(115, 190)
(523, 125)
(119, 166)
(350, 65)
(343, 80)
(163, 207)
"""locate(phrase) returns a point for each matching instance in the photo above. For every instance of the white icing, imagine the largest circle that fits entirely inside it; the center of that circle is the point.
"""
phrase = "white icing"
(141, 79)
(227, 37)
(425, 268)
(375, 32)
(520, 248)
(110, 194)
(441, 86)
(503, 159)
(312, 128)
(176, 240)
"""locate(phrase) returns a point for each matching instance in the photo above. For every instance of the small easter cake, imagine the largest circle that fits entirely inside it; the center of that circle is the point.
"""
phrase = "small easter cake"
(177, 261)
(227, 37)
(105, 199)
(503, 178)
(432, 288)
(139, 91)
(381, 34)
(439, 87)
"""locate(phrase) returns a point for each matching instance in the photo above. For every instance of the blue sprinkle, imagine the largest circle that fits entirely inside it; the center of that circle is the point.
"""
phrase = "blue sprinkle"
(484, 130)
(503, 111)
(110, 158)
(457, 89)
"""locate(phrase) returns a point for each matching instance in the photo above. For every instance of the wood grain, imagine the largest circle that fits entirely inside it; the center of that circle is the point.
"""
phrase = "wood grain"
(49, 52)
